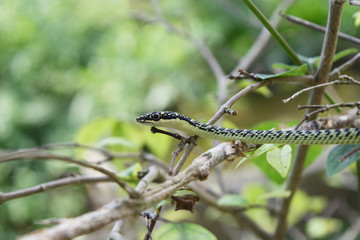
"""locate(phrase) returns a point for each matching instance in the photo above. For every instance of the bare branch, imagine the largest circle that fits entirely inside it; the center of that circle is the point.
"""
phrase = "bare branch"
(337, 82)
(319, 28)
(121, 208)
(251, 88)
(171, 134)
(186, 154)
(153, 174)
(324, 108)
(151, 224)
(337, 71)
(354, 2)
(48, 156)
(51, 185)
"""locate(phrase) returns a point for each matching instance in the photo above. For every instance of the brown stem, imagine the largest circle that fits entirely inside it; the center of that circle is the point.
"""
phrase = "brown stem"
(51, 185)
(322, 76)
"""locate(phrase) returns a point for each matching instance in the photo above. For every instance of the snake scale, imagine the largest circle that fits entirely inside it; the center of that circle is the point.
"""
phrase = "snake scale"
(305, 137)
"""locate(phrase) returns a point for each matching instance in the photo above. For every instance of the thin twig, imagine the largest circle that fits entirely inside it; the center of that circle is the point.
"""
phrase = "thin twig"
(152, 174)
(152, 219)
(183, 158)
(348, 154)
(51, 185)
(319, 28)
(48, 156)
(245, 74)
(349, 78)
(252, 87)
(171, 134)
(337, 82)
(175, 154)
(324, 108)
(354, 3)
(336, 72)
(181, 145)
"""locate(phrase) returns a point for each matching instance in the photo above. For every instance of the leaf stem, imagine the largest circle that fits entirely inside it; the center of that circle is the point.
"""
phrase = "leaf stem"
(291, 53)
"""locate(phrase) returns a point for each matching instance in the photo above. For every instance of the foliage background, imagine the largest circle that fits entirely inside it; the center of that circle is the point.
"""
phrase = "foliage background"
(65, 64)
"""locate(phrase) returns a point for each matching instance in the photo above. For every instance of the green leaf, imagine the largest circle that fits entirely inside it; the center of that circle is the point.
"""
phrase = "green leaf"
(321, 227)
(264, 91)
(334, 163)
(344, 53)
(356, 17)
(182, 231)
(233, 200)
(258, 152)
(294, 71)
(282, 65)
(95, 130)
(280, 159)
(131, 173)
(262, 149)
(313, 62)
(267, 169)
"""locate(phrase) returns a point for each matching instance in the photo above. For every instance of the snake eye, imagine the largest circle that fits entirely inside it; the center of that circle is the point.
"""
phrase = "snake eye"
(155, 116)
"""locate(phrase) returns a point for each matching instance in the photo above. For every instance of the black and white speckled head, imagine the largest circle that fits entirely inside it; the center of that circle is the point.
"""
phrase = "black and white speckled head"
(159, 118)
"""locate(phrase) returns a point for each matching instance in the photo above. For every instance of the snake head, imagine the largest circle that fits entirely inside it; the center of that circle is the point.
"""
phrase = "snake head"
(150, 118)
(160, 119)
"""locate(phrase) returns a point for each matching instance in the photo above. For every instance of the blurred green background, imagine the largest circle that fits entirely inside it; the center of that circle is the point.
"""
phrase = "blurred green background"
(65, 64)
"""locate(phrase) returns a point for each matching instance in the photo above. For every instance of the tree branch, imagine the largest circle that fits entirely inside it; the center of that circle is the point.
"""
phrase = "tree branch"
(48, 156)
(319, 28)
(337, 71)
(152, 174)
(52, 185)
(120, 208)
(337, 82)
(322, 76)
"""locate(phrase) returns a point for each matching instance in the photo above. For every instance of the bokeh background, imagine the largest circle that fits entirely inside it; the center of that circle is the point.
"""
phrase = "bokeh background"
(68, 67)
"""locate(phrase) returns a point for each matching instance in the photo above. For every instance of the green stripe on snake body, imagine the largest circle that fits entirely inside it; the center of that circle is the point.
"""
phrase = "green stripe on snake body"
(306, 137)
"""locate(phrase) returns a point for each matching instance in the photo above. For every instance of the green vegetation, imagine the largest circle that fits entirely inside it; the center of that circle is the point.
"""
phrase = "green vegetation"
(82, 71)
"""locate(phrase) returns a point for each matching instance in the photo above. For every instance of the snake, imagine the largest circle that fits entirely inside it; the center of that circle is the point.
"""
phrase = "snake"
(190, 126)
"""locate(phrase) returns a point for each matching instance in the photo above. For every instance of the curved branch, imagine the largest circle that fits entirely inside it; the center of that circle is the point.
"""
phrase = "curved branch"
(51, 185)
(120, 208)
(48, 156)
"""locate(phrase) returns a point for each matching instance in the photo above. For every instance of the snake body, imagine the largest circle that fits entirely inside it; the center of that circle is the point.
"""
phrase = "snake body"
(306, 137)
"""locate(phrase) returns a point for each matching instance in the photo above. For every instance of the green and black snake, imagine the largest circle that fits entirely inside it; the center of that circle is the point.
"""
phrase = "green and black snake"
(306, 137)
